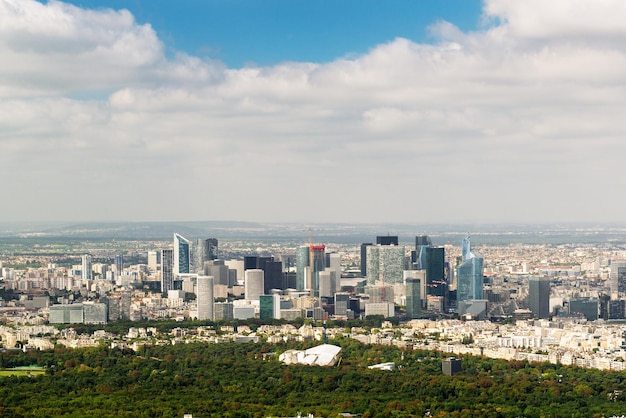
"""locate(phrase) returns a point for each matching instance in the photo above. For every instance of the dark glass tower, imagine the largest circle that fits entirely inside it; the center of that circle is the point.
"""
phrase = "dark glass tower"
(364, 258)
(539, 296)
(432, 259)
(387, 240)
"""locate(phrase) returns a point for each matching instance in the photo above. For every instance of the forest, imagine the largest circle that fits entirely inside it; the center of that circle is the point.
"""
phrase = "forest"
(247, 380)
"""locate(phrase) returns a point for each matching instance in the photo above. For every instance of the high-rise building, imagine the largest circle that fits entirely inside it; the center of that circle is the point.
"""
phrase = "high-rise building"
(584, 307)
(413, 298)
(302, 264)
(204, 250)
(469, 274)
(342, 300)
(539, 297)
(327, 284)
(253, 284)
(618, 279)
(205, 297)
(387, 240)
(432, 260)
(167, 270)
(364, 258)
(269, 306)
(333, 265)
(223, 311)
(317, 263)
(119, 265)
(385, 263)
(217, 269)
(273, 276)
(153, 261)
(85, 270)
(181, 255)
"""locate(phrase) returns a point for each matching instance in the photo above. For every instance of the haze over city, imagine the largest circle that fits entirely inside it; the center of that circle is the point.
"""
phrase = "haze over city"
(463, 111)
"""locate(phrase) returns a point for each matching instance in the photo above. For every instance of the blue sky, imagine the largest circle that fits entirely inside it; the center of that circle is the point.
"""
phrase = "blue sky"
(266, 32)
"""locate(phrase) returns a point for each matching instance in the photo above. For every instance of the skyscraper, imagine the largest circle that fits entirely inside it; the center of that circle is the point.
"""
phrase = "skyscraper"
(387, 240)
(539, 296)
(152, 261)
(253, 284)
(413, 298)
(204, 250)
(85, 271)
(167, 270)
(302, 264)
(119, 265)
(205, 297)
(364, 258)
(317, 263)
(469, 274)
(618, 278)
(385, 263)
(432, 260)
(181, 255)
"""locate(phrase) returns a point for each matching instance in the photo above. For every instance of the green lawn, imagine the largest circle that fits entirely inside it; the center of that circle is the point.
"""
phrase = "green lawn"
(22, 371)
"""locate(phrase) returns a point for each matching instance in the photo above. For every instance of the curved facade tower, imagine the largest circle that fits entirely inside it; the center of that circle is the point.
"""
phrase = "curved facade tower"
(205, 297)
(181, 255)
(469, 274)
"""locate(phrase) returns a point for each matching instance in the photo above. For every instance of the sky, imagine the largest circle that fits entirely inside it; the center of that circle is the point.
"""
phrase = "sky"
(313, 111)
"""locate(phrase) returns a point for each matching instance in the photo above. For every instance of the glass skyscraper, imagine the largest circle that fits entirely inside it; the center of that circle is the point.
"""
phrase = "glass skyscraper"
(181, 255)
(469, 274)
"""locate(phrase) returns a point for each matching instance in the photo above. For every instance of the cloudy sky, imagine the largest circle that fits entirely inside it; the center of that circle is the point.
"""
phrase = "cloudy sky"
(313, 111)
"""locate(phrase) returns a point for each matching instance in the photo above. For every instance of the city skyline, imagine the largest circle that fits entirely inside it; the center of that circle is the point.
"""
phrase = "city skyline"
(118, 114)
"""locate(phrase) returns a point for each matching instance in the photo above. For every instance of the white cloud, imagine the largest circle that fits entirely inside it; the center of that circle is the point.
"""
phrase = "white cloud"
(519, 121)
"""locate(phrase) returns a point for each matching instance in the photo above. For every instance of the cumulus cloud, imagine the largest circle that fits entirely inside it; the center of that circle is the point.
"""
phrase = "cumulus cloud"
(519, 121)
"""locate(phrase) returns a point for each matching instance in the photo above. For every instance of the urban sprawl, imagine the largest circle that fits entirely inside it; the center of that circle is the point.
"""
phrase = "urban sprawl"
(557, 303)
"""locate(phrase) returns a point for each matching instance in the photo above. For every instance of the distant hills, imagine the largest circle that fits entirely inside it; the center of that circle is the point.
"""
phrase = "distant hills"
(343, 233)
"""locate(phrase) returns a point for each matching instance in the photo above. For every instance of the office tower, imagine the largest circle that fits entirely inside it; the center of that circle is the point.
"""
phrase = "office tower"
(167, 270)
(387, 240)
(421, 241)
(432, 260)
(152, 261)
(250, 262)
(618, 279)
(317, 264)
(413, 298)
(94, 313)
(273, 276)
(327, 284)
(204, 250)
(539, 296)
(364, 258)
(119, 265)
(302, 264)
(223, 311)
(253, 283)
(266, 307)
(237, 267)
(85, 271)
(379, 293)
(342, 301)
(269, 306)
(181, 255)
(204, 297)
(451, 366)
(469, 274)
(333, 264)
(584, 307)
(385, 263)
(217, 269)
(616, 309)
